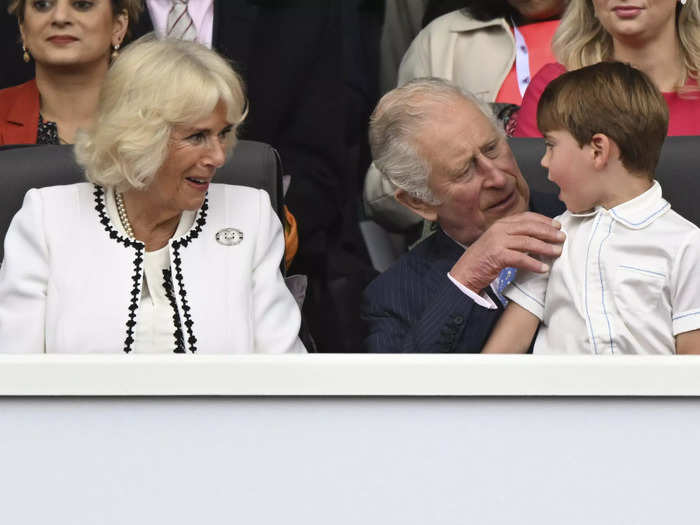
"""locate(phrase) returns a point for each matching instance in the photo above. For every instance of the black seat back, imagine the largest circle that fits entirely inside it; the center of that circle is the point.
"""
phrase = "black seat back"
(678, 171)
(24, 167)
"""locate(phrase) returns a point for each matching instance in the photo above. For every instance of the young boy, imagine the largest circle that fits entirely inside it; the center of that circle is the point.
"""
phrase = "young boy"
(627, 281)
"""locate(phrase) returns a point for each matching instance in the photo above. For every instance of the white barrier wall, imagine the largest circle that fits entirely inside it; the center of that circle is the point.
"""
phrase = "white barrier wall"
(120, 440)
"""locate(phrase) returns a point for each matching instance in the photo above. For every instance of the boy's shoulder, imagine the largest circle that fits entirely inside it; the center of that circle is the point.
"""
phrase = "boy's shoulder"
(669, 231)
(672, 234)
(677, 221)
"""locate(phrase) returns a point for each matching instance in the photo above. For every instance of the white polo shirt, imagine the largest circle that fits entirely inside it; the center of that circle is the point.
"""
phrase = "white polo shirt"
(627, 281)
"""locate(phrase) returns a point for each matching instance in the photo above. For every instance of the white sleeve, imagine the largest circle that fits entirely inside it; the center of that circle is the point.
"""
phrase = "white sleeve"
(685, 286)
(275, 312)
(529, 290)
(24, 280)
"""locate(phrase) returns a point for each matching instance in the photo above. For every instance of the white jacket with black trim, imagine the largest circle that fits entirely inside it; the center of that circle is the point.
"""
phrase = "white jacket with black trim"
(70, 283)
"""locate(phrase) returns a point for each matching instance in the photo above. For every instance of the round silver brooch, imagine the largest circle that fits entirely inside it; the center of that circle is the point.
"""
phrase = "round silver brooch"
(229, 236)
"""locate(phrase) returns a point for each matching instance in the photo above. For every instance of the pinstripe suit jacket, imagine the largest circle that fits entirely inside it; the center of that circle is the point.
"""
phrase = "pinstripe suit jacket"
(414, 307)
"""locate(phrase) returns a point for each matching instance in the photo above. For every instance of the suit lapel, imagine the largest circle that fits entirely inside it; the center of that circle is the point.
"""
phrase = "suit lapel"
(446, 250)
(445, 253)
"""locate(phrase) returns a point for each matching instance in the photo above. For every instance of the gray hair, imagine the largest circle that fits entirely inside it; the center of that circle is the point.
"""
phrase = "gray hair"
(395, 123)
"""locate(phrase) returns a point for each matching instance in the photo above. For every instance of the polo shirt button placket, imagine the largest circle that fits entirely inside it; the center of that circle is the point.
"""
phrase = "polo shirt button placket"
(592, 285)
(596, 292)
(606, 282)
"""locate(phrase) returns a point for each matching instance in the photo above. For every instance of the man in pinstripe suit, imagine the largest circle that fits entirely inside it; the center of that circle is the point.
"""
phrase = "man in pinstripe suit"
(451, 164)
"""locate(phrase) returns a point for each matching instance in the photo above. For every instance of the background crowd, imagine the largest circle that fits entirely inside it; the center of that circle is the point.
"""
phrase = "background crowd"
(313, 72)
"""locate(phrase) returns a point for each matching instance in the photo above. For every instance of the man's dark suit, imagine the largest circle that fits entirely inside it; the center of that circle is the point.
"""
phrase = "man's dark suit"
(414, 307)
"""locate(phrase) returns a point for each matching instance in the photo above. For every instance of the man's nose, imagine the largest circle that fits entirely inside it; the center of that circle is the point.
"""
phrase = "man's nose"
(493, 175)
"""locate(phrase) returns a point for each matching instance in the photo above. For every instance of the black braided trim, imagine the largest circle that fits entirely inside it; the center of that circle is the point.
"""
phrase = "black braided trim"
(138, 262)
(168, 286)
(183, 242)
(134, 306)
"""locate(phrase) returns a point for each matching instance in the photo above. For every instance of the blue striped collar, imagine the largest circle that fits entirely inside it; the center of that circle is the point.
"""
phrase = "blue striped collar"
(637, 213)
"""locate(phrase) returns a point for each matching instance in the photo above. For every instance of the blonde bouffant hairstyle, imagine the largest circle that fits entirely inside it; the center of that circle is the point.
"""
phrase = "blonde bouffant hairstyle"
(154, 86)
(581, 40)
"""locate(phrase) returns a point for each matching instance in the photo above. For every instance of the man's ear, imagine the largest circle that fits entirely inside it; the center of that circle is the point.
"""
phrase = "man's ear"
(602, 149)
(425, 210)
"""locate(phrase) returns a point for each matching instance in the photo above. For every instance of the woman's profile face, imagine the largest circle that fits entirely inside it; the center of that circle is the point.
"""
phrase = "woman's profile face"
(71, 32)
(538, 9)
(638, 20)
(194, 153)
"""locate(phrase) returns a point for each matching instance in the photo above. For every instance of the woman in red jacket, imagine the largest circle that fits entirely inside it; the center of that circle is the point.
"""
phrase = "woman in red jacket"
(659, 37)
(72, 44)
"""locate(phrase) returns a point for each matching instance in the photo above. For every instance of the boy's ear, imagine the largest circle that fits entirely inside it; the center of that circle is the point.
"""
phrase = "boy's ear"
(425, 210)
(602, 148)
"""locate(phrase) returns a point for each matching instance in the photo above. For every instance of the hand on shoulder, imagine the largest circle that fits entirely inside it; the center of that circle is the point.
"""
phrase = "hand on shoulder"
(509, 242)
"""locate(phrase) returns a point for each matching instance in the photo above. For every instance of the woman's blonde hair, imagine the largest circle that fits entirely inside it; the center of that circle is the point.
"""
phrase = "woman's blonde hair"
(132, 8)
(582, 41)
(154, 86)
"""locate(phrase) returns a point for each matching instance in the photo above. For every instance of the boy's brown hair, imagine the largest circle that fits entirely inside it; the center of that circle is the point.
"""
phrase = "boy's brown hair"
(614, 99)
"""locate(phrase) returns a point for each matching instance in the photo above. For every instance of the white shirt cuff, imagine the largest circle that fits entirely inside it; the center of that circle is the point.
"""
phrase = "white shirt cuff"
(686, 321)
(481, 299)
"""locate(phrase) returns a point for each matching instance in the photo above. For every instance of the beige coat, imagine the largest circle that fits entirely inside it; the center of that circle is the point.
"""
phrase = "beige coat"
(474, 55)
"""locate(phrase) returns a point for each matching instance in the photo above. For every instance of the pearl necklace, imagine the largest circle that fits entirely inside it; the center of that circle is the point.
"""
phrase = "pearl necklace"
(123, 217)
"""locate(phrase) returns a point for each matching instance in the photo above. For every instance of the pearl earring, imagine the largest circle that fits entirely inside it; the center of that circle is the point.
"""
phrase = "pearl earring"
(115, 51)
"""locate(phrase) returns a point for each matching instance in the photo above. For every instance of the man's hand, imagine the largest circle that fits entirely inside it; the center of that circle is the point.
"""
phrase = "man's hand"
(509, 242)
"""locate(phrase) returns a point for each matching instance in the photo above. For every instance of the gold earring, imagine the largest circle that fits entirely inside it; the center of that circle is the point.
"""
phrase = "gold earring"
(25, 54)
(115, 51)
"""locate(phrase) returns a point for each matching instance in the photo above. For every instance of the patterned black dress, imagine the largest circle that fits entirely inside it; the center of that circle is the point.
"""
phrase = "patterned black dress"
(48, 132)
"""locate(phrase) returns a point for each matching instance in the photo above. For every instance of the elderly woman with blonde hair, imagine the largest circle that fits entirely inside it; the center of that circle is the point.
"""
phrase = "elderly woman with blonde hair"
(150, 255)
